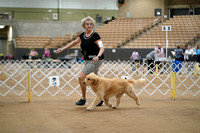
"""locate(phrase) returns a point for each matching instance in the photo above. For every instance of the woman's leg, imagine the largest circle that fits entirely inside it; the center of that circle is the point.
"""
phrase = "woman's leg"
(88, 68)
(83, 87)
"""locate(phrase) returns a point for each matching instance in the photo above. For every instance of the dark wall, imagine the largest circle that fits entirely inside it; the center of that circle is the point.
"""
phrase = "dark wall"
(110, 54)
(180, 11)
(124, 54)
(182, 2)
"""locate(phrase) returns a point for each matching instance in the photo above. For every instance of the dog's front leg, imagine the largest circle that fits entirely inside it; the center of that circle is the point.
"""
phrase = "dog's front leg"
(94, 103)
(107, 102)
(118, 97)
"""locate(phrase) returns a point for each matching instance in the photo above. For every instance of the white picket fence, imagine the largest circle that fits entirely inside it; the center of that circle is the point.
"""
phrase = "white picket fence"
(55, 77)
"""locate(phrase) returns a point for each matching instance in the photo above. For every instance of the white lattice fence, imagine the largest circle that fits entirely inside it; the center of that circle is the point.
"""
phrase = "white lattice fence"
(14, 77)
(188, 79)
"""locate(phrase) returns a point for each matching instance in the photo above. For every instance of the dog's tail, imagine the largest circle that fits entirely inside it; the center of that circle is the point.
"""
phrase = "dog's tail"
(137, 83)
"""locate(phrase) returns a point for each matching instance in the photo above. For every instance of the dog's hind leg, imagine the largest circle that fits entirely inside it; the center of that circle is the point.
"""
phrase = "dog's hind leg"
(131, 93)
(118, 97)
(107, 101)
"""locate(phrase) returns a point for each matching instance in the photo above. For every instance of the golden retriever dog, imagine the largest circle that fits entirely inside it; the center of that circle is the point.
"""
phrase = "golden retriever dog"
(105, 88)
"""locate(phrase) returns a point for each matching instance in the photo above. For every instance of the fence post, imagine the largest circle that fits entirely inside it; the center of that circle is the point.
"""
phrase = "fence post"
(29, 88)
(156, 69)
(196, 69)
(173, 86)
(137, 65)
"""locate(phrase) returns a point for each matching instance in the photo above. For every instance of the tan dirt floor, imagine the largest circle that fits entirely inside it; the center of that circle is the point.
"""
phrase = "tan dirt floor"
(59, 114)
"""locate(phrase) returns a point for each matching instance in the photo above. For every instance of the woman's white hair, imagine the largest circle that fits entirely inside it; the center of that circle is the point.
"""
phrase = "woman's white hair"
(159, 44)
(88, 18)
(158, 50)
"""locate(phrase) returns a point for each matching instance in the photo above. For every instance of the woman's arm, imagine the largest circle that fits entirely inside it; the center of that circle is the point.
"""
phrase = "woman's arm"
(100, 44)
(73, 43)
(101, 51)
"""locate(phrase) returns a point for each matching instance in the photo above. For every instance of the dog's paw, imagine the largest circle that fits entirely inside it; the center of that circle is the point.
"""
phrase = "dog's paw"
(110, 105)
(89, 108)
(138, 102)
(114, 107)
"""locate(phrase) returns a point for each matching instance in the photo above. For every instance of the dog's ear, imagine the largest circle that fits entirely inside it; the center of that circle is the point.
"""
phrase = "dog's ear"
(93, 74)
(95, 80)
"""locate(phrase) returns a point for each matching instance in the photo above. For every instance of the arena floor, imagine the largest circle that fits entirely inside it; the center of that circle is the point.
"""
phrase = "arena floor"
(59, 114)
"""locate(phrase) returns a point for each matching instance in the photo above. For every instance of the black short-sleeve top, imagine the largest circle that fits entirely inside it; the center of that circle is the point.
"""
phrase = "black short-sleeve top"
(88, 45)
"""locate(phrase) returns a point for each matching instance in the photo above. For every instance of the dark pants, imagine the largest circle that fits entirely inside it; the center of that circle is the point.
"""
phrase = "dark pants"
(179, 59)
(134, 64)
(159, 64)
(198, 58)
(151, 65)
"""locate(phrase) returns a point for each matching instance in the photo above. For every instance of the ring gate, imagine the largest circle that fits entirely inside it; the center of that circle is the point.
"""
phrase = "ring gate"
(36, 76)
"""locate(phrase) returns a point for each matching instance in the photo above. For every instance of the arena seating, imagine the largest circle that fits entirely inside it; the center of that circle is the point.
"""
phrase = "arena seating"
(59, 41)
(121, 30)
(45, 41)
(185, 29)
(32, 41)
(114, 34)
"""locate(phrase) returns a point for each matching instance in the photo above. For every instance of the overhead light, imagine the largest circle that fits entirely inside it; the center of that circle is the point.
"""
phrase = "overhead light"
(2, 26)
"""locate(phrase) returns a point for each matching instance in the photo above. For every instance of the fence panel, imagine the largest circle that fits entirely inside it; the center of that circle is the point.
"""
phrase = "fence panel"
(14, 76)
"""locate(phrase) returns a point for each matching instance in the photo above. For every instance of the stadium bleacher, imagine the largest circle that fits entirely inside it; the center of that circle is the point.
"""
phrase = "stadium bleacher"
(185, 29)
(45, 41)
(32, 41)
(143, 32)
(121, 30)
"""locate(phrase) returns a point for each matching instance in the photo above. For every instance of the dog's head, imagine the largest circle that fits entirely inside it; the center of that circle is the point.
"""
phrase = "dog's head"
(91, 79)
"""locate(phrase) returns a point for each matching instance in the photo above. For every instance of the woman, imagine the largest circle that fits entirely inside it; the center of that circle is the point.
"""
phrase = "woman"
(92, 50)
(46, 53)
(135, 58)
(197, 53)
(162, 54)
(188, 52)
(151, 58)
(135, 55)
(178, 54)
(178, 59)
(33, 54)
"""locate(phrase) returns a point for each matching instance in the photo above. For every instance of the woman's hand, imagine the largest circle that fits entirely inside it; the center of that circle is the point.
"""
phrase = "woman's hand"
(95, 59)
(59, 50)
